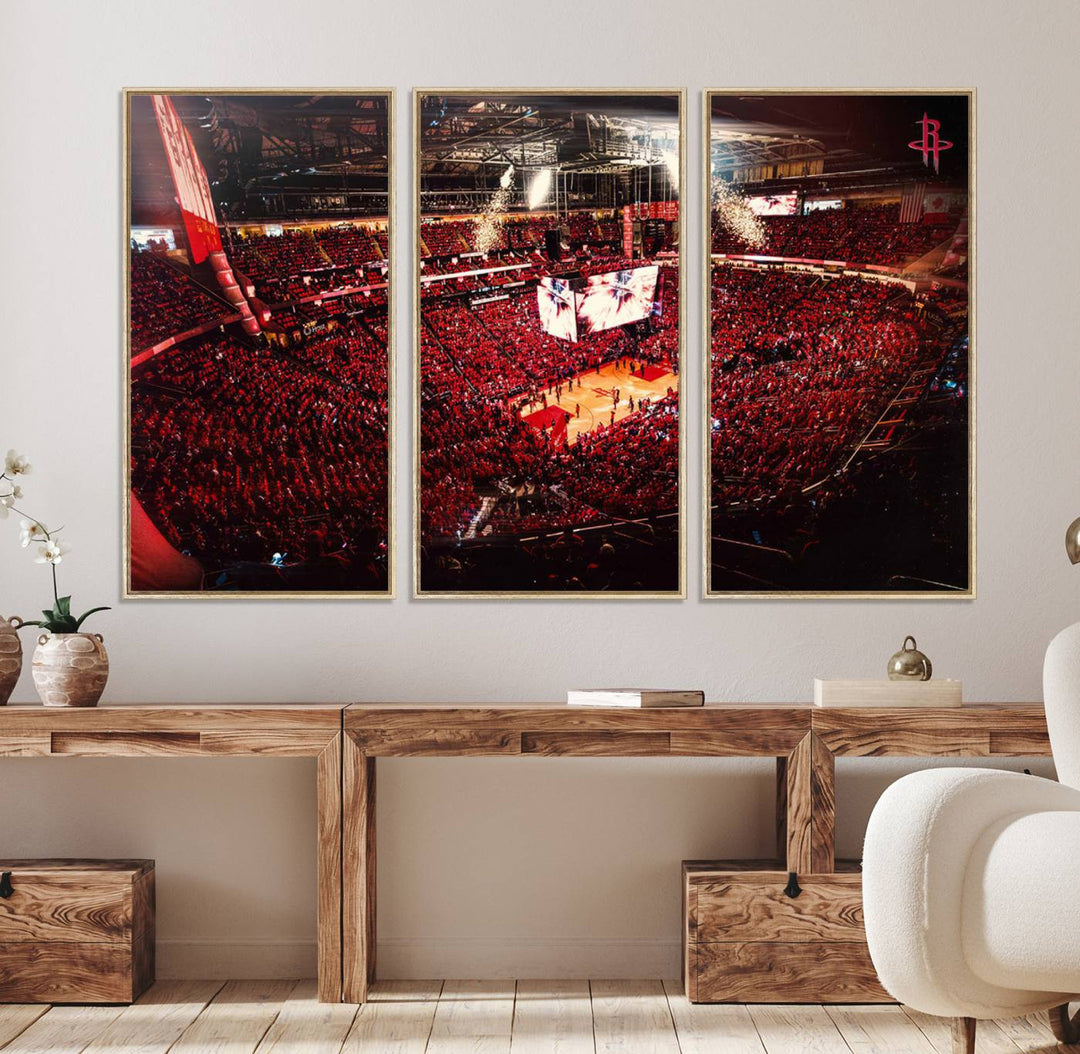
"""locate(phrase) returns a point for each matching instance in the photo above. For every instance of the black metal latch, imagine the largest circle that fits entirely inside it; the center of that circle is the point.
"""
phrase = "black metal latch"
(5, 885)
(792, 889)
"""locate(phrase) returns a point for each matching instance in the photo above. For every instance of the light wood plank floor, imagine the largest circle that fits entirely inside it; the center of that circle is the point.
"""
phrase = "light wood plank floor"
(484, 1017)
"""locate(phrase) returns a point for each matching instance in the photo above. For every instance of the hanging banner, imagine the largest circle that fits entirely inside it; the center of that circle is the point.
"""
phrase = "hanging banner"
(189, 178)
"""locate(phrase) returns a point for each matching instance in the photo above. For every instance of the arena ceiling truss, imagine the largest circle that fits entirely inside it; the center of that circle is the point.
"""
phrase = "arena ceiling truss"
(320, 133)
(466, 134)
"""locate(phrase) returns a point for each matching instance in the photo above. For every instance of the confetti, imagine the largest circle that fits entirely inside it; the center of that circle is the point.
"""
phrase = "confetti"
(489, 226)
(734, 212)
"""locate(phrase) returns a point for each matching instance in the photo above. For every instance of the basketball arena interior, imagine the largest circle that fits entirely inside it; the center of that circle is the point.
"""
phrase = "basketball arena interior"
(549, 343)
(258, 340)
(839, 346)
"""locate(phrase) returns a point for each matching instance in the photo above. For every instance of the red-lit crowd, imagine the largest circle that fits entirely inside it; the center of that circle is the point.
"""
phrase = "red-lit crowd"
(481, 359)
(449, 237)
(297, 250)
(165, 302)
(240, 452)
(861, 234)
(802, 366)
(242, 449)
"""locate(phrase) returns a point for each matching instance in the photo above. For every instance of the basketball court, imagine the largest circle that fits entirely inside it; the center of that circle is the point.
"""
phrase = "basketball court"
(590, 401)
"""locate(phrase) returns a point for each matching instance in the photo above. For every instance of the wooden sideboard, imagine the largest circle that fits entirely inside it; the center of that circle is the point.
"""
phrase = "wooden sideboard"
(347, 740)
(805, 741)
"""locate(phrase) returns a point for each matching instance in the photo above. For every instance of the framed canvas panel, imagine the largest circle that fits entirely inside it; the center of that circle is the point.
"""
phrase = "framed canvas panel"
(549, 335)
(839, 456)
(258, 231)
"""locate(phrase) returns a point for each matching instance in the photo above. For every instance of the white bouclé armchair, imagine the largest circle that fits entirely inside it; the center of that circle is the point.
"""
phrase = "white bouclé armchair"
(971, 880)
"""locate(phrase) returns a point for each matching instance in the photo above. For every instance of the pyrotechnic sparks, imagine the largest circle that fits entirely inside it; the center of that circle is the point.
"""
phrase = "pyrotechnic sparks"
(734, 212)
(489, 226)
(540, 188)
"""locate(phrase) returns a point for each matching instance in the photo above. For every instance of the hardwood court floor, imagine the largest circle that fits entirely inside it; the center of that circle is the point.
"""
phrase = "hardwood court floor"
(593, 397)
(483, 1017)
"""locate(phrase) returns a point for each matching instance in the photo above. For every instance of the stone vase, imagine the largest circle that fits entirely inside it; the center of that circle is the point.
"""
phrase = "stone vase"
(10, 656)
(70, 669)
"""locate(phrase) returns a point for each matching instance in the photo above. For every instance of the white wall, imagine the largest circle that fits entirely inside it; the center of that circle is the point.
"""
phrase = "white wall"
(493, 865)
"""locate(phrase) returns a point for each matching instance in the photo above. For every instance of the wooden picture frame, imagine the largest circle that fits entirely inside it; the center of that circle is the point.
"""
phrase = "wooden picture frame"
(807, 495)
(500, 531)
(259, 341)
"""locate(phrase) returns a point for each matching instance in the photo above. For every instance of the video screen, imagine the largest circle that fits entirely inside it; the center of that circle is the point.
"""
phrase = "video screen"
(153, 238)
(557, 304)
(774, 204)
(616, 298)
(822, 205)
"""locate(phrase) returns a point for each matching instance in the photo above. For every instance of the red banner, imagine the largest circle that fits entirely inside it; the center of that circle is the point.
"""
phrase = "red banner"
(628, 231)
(189, 178)
(653, 210)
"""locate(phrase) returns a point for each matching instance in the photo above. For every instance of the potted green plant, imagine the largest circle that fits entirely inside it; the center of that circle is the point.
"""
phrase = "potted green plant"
(70, 667)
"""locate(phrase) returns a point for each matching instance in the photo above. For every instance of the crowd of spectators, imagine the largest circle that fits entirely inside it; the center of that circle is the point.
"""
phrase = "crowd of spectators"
(352, 352)
(302, 261)
(480, 363)
(242, 452)
(268, 457)
(860, 234)
(487, 477)
(453, 237)
(348, 245)
(165, 302)
(802, 366)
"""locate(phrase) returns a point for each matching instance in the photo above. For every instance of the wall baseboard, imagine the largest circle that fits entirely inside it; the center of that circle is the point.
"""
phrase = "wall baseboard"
(416, 958)
(222, 958)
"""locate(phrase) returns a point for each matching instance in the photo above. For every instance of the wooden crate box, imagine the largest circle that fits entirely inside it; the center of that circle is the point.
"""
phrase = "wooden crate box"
(747, 940)
(76, 931)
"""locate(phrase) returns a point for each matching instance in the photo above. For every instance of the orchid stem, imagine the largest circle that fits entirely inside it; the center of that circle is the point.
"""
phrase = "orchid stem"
(38, 523)
(55, 592)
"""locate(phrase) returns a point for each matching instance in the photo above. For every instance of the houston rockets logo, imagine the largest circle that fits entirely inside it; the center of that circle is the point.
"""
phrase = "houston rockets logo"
(931, 144)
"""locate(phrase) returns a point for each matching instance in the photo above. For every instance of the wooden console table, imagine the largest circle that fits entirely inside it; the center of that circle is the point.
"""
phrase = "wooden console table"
(206, 730)
(346, 740)
(805, 741)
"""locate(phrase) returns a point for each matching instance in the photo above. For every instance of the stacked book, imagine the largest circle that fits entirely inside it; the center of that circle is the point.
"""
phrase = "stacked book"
(634, 697)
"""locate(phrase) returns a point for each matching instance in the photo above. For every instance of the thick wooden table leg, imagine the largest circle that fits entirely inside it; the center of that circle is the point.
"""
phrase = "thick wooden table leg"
(963, 1035)
(823, 795)
(1066, 1029)
(329, 866)
(358, 889)
(806, 807)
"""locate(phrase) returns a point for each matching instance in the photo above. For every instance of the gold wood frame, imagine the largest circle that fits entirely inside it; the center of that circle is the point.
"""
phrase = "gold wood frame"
(706, 502)
(680, 593)
(391, 357)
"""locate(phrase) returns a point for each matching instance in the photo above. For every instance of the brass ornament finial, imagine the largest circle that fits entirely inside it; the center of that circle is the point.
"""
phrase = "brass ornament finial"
(1072, 541)
(909, 664)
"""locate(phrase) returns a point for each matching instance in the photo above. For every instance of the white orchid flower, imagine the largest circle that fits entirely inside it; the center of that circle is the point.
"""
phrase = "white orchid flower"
(52, 552)
(8, 500)
(16, 464)
(31, 531)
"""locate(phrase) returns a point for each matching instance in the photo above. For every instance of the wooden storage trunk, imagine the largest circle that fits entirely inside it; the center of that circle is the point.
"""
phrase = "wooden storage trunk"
(76, 931)
(746, 940)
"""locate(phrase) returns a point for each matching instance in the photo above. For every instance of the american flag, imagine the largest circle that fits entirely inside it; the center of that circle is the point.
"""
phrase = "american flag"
(911, 203)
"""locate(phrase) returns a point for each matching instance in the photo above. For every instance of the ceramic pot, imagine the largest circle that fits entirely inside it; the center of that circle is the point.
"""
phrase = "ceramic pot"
(70, 669)
(10, 656)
